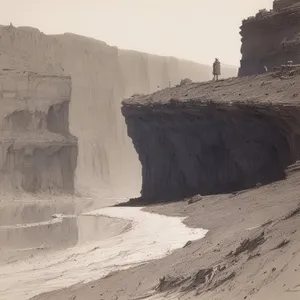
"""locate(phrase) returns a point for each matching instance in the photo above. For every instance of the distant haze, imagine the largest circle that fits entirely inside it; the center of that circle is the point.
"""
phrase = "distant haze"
(196, 30)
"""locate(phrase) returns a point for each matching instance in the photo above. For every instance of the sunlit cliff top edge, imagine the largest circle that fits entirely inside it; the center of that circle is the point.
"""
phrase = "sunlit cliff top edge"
(84, 39)
(275, 88)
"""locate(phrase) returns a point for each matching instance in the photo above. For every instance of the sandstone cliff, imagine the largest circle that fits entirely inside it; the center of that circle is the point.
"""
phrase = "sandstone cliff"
(37, 152)
(271, 38)
(216, 137)
(101, 77)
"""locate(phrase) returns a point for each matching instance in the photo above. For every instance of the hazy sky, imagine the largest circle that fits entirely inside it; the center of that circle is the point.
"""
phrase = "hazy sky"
(198, 30)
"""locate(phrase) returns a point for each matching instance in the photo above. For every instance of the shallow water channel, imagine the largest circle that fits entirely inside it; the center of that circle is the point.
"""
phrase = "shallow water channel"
(108, 239)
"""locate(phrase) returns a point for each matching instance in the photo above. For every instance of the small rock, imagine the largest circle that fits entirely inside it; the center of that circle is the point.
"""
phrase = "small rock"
(195, 199)
(185, 81)
(221, 268)
(187, 244)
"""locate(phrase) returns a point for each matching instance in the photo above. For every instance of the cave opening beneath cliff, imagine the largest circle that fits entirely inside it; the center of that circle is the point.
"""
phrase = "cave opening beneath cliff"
(212, 151)
(57, 118)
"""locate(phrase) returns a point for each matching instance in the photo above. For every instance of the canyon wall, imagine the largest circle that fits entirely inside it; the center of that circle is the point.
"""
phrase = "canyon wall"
(102, 76)
(215, 137)
(271, 38)
(37, 152)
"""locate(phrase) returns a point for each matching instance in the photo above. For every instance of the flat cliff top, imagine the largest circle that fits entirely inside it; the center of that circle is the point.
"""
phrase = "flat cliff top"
(258, 90)
(288, 10)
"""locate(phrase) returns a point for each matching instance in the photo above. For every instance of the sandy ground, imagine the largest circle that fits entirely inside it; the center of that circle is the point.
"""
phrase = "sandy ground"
(251, 251)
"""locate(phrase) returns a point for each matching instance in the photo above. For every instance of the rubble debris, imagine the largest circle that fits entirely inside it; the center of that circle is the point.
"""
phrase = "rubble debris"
(293, 213)
(187, 244)
(168, 282)
(282, 244)
(195, 199)
(249, 245)
(185, 81)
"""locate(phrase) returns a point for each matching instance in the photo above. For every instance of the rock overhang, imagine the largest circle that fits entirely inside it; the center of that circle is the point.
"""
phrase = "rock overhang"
(182, 133)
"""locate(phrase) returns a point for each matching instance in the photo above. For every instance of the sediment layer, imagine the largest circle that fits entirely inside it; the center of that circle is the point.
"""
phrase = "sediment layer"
(37, 152)
(215, 137)
(271, 38)
(101, 77)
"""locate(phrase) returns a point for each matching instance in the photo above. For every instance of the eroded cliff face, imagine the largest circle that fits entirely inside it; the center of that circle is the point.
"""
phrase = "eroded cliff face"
(271, 38)
(37, 152)
(101, 77)
(215, 137)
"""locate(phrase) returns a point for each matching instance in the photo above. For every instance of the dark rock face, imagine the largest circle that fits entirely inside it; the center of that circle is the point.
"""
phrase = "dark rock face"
(211, 152)
(271, 38)
(282, 4)
(189, 146)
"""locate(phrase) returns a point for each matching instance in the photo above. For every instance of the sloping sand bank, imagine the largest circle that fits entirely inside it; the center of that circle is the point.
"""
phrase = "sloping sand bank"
(250, 252)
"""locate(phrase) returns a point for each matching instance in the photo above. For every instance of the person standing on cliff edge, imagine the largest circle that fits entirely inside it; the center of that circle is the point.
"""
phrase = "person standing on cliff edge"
(216, 69)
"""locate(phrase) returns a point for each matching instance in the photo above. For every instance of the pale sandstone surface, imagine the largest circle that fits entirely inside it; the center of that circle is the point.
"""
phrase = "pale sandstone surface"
(38, 153)
(101, 77)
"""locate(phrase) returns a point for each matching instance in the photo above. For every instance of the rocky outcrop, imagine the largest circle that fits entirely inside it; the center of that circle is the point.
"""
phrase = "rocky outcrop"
(37, 152)
(271, 38)
(215, 137)
(101, 77)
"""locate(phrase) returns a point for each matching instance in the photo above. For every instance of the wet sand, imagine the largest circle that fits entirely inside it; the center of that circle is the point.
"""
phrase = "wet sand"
(99, 242)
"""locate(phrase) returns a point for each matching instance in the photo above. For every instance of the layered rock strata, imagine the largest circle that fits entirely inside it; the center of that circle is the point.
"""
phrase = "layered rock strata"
(101, 77)
(271, 38)
(37, 152)
(216, 137)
